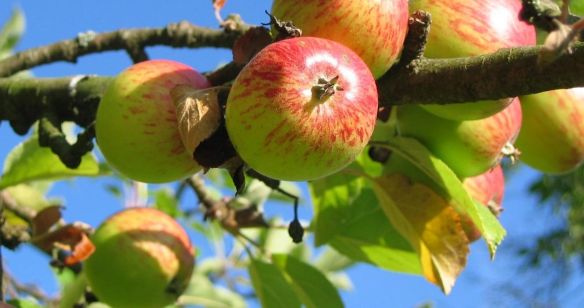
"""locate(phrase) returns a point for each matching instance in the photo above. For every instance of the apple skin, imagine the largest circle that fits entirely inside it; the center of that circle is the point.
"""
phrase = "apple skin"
(374, 29)
(136, 125)
(552, 136)
(470, 147)
(487, 189)
(462, 28)
(143, 258)
(281, 129)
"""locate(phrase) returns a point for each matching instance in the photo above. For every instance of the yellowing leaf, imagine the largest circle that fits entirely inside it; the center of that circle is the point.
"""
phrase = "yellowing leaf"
(198, 114)
(430, 224)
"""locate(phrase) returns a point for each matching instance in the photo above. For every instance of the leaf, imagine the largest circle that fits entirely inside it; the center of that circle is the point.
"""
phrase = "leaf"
(437, 175)
(198, 114)
(11, 33)
(165, 201)
(69, 237)
(331, 260)
(218, 4)
(45, 219)
(309, 284)
(202, 292)
(250, 43)
(331, 197)
(28, 162)
(271, 287)
(430, 224)
(23, 303)
(348, 216)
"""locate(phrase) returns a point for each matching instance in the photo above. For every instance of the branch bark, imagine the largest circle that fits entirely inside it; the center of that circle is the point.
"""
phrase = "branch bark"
(178, 35)
(505, 73)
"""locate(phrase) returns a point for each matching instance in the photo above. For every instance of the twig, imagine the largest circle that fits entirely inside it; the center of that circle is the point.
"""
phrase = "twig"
(16, 287)
(182, 34)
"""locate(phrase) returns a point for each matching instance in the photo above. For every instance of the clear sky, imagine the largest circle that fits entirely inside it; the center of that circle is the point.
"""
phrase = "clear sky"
(87, 200)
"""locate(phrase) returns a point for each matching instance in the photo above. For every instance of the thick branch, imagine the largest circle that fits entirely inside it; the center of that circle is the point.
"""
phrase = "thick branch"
(505, 73)
(181, 34)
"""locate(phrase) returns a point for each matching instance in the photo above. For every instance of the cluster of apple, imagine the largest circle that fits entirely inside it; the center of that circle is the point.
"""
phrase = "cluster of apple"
(304, 108)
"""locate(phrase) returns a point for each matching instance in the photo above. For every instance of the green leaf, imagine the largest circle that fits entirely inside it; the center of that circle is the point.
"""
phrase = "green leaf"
(11, 33)
(331, 260)
(271, 287)
(165, 201)
(72, 287)
(310, 284)
(201, 292)
(24, 303)
(332, 196)
(347, 214)
(441, 178)
(28, 162)
(577, 7)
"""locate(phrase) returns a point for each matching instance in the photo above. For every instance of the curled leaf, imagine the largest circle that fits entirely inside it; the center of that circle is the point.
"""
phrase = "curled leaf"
(72, 238)
(557, 43)
(45, 219)
(250, 43)
(198, 114)
(429, 223)
(217, 6)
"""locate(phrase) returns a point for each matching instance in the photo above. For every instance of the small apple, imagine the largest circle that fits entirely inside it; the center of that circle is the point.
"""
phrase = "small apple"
(552, 137)
(136, 124)
(301, 109)
(373, 29)
(487, 189)
(470, 147)
(142, 258)
(462, 28)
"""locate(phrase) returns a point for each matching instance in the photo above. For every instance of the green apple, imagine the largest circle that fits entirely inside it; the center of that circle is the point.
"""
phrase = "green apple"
(374, 29)
(136, 125)
(142, 258)
(301, 109)
(462, 28)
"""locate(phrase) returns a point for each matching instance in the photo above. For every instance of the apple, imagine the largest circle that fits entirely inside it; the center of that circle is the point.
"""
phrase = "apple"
(136, 124)
(462, 28)
(552, 136)
(301, 109)
(469, 147)
(487, 189)
(374, 29)
(142, 258)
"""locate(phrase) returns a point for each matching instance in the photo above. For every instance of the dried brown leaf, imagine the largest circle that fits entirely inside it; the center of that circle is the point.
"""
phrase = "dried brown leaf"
(250, 43)
(198, 114)
(45, 219)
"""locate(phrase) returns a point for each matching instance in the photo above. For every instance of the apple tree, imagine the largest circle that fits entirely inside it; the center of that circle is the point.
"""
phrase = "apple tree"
(396, 114)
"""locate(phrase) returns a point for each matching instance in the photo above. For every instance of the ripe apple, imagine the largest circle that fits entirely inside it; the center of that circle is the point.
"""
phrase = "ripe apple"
(142, 258)
(301, 109)
(552, 136)
(487, 189)
(462, 28)
(469, 147)
(374, 29)
(136, 125)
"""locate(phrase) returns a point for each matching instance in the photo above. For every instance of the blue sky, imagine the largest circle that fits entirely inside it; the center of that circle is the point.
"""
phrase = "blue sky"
(86, 199)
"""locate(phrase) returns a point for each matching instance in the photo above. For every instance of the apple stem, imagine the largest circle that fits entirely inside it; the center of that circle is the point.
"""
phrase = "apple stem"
(325, 88)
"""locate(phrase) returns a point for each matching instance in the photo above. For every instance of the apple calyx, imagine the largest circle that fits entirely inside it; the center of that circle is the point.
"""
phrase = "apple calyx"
(509, 150)
(324, 89)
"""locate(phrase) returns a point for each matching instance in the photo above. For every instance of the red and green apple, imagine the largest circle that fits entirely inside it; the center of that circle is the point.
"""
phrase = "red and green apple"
(136, 125)
(301, 109)
(142, 258)
(462, 28)
(552, 136)
(469, 147)
(373, 29)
